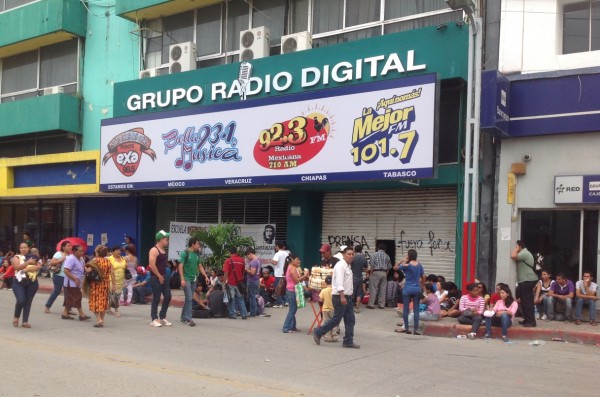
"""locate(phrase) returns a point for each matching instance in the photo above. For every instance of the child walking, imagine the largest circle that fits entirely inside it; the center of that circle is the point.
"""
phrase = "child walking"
(325, 296)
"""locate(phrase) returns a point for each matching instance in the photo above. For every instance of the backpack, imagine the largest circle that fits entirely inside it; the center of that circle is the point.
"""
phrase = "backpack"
(175, 280)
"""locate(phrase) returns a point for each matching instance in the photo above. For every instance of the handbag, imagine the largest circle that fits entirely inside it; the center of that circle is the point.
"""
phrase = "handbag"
(113, 300)
(128, 275)
(300, 302)
(92, 276)
(280, 288)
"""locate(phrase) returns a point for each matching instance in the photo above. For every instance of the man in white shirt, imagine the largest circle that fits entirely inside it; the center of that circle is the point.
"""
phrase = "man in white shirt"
(343, 306)
(278, 263)
(585, 291)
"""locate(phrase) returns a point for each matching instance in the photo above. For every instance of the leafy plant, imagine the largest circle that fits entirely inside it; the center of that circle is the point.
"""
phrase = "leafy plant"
(218, 239)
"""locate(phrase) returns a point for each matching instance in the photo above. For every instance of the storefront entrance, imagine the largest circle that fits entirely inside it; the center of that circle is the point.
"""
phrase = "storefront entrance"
(568, 240)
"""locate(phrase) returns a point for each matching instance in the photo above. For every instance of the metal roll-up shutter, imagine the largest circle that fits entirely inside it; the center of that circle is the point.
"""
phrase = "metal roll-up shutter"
(242, 209)
(423, 219)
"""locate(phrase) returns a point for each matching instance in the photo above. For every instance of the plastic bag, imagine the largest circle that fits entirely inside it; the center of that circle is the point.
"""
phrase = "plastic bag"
(300, 296)
(113, 300)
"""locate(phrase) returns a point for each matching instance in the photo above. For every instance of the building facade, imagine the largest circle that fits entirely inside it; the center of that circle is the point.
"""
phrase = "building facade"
(374, 90)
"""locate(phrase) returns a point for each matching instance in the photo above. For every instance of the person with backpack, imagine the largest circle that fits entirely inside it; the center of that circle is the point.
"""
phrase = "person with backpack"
(189, 269)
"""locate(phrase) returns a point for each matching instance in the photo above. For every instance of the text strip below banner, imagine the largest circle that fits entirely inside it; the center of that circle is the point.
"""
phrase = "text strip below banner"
(375, 131)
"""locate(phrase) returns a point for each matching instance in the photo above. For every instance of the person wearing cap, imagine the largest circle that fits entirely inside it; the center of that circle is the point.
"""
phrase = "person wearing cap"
(380, 264)
(278, 263)
(157, 266)
(141, 287)
(329, 260)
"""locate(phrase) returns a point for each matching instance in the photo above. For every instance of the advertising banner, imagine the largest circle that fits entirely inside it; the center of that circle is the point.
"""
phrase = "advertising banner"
(375, 131)
(263, 234)
(577, 189)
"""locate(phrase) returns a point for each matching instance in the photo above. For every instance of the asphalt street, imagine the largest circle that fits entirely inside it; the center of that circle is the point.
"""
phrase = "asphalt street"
(222, 357)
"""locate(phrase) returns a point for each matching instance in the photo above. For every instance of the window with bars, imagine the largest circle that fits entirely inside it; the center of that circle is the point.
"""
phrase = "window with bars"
(215, 29)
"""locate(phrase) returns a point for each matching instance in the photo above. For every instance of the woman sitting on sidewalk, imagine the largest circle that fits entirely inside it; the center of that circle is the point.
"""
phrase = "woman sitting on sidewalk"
(503, 313)
(432, 313)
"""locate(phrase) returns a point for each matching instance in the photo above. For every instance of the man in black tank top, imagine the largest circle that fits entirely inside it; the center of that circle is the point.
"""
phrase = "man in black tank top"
(157, 265)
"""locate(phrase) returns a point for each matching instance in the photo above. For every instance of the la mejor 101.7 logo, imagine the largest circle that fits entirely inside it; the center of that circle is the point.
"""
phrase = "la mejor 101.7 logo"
(126, 150)
(293, 142)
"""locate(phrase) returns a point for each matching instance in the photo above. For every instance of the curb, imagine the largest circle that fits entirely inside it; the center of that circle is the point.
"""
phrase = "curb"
(176, 301)
(516, 332)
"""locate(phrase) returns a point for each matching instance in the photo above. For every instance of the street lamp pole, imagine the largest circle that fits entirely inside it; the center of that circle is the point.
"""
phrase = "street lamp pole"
(471, 172)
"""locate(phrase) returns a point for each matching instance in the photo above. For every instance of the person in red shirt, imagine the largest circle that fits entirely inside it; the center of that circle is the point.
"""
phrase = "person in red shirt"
(233, 268)
(8, 274)
(266, 286)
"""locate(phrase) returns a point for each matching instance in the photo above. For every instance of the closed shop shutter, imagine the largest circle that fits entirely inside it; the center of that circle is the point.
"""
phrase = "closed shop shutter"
(242, 209)
(423, 219)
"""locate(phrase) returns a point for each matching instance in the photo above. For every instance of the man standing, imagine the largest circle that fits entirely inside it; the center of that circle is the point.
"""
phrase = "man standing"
(586, 294)
(74, 272)
(343, 306)
(234, 274)
(278, 262)
(359, 264)
(252, 279)
(189, 268)
(561, 292)
(157, 265)
(380, 264)
(527, 280)
(329, 260)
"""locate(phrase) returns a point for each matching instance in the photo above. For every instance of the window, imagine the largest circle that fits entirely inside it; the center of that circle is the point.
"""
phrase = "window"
(581, 27)
(6, 5)
(216, 29)
(24, 75)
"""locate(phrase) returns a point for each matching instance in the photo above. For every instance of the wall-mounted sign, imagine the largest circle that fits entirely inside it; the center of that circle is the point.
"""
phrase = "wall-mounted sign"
(578, 189)
(376, 131)
(495, 91)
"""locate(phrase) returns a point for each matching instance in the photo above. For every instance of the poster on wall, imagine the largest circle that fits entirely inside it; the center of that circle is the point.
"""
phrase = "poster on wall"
(263, 235)
(383, 130)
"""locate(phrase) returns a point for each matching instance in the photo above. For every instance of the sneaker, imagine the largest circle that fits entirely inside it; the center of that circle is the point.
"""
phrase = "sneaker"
(156, 323)
(191, 323)
(264, 315)
(165, 322)
(549, 318)
(544, 317)
(277, 306)
(505, 339)
(471, 335)
(487, 336)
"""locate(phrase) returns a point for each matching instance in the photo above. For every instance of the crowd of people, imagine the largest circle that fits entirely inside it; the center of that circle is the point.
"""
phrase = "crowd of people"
(342, 282)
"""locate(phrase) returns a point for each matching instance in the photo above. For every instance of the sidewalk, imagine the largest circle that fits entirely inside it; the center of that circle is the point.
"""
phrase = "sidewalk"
(449, 327)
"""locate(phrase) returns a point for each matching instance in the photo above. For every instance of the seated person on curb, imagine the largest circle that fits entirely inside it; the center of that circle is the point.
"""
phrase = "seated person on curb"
(141, 288)
(432, 313)
(561, 294)
(199, 298)
(471, 308)
(450, 306)
(541, 294)
(266, 286)
(586, 294)
(217, 307)
(502, 314)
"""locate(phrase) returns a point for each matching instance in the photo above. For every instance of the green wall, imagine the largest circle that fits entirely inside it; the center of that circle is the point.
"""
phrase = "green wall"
(111, 56)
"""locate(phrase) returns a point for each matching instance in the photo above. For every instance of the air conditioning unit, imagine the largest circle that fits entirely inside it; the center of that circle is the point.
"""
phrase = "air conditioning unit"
(296, 42)
(182, 57)
(254, 43)
(146, 74)
(54, 90)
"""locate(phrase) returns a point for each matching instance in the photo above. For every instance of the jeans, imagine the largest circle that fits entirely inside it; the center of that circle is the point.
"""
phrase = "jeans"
(505, 321)
(157, 290)
(550, 307)
(579, 307)
(406, 298)
(340, 311)
(280, 300)
(252, 288)
(58, 285)
(236, 299)
(475, 321)
(188, 291)
(377, 284)
(425, 316)
(527, 306)
(290, 320)
(24, 296)
(140, 294)
(542, 308)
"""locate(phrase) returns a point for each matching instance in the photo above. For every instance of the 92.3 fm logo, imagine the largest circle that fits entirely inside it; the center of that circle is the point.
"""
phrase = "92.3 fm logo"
(126, 150)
